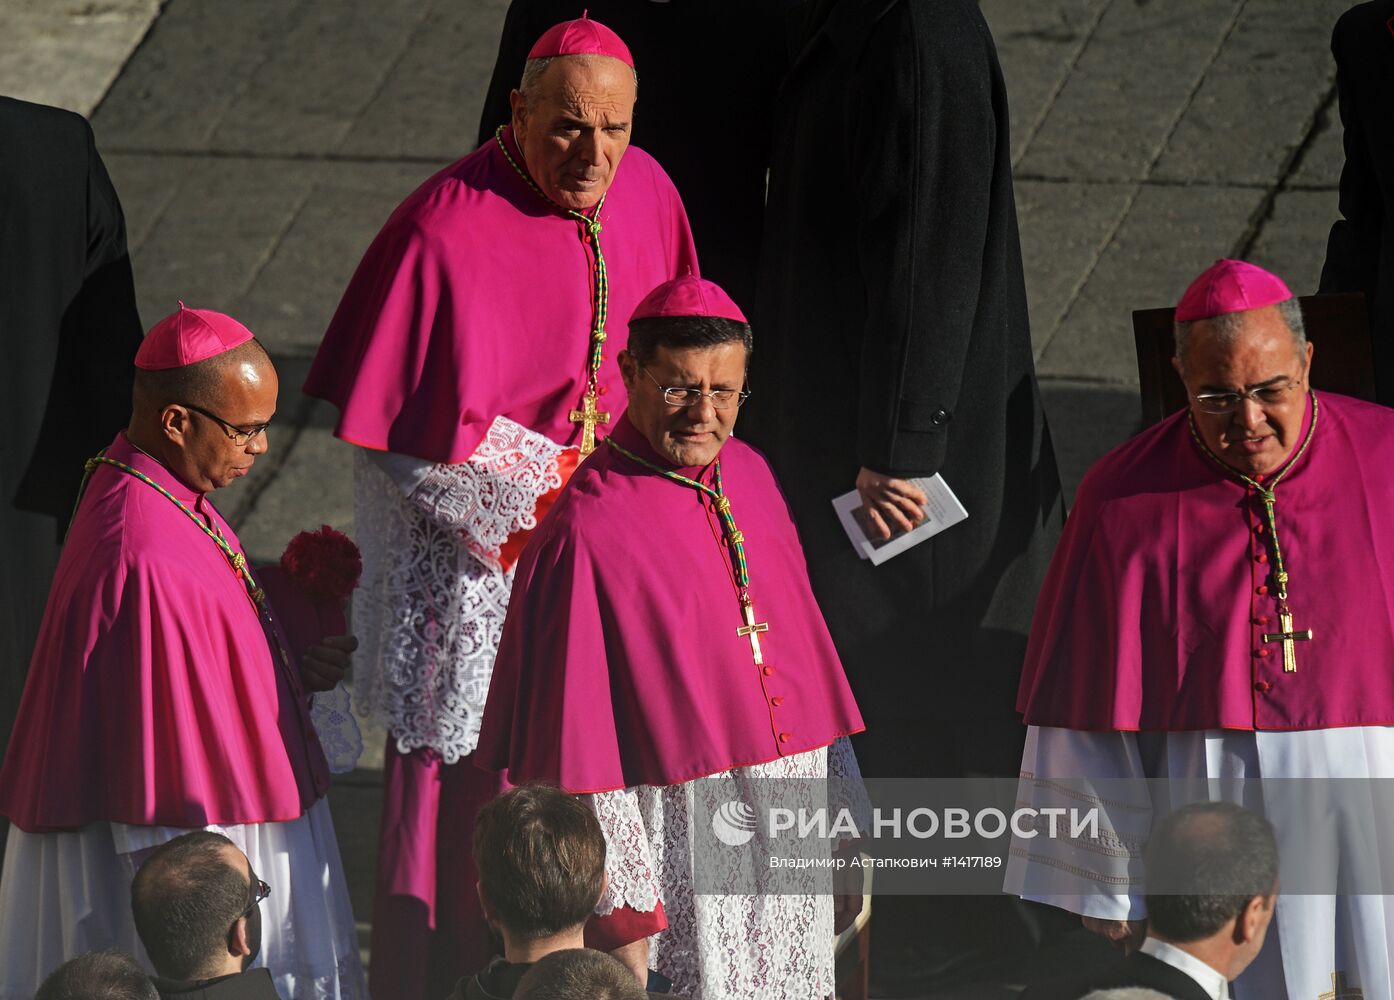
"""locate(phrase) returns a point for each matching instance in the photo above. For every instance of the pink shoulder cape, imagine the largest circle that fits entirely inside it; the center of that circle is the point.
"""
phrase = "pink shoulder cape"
(154, 696)
(1153, 613)
(620, 664)
(474, 301)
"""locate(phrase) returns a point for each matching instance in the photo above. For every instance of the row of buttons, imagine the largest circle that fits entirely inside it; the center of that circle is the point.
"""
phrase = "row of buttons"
(776, 700)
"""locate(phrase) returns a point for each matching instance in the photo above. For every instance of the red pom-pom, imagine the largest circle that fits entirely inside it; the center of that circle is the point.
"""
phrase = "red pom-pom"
(325, 563)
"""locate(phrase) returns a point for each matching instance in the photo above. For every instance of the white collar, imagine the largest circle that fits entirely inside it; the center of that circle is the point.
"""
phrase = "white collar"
(1210, 979)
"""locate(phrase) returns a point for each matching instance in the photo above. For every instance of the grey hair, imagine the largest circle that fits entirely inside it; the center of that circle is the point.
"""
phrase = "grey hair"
(1126, 993)
(534, 69)
(1226, 328)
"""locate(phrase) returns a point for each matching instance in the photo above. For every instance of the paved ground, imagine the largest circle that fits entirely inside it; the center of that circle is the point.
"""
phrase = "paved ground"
(258, 145)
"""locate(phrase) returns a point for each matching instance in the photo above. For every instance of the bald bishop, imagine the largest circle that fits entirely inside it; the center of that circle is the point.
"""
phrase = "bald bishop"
(1214, 609)
(162, 695)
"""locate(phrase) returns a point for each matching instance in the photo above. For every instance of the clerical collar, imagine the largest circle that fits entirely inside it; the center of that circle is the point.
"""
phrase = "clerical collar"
(1209, 978)
(628, 437)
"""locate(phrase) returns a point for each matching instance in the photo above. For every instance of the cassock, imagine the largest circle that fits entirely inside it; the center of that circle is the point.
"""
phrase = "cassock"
(458, 357)
(892, 299)
(621, 676)
(1148, 659)
(1360, 250)
(70, 327)
(158, 702)
(685, 80)
(892, 304)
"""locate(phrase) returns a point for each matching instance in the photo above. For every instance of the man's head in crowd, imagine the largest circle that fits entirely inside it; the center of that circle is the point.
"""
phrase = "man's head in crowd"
(579, 974)
(197, 908)
(99, 975)
(1212, 876)
(541, 859)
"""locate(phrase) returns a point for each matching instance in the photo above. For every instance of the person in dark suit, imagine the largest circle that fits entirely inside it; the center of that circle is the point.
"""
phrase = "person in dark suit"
(1212, 874)
(894, 344)
(196, 903)
(69, 322)
(1360, 250)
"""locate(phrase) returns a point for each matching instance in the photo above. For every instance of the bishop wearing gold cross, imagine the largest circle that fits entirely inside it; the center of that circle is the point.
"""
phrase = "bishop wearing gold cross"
(1218, 601)
(662, 628)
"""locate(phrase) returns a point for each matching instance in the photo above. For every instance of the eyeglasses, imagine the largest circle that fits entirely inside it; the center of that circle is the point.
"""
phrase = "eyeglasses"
(722, 399)
(239, 435)
(1266, 396)
(260, 890)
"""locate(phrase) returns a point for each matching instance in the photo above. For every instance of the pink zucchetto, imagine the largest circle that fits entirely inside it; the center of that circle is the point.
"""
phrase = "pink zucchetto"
(188, 336)
(688, 295)
(1230, 286)
(581, 37)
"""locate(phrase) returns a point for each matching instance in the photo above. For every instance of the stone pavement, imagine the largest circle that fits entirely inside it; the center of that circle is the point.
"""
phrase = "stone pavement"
(258, 146)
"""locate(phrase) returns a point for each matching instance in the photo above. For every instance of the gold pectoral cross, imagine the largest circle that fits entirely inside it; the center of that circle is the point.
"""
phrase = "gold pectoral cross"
(1287, 635)
(751, 630)
(588, 416)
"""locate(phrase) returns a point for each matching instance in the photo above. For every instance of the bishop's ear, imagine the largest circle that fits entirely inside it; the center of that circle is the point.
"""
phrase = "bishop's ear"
(174, 422)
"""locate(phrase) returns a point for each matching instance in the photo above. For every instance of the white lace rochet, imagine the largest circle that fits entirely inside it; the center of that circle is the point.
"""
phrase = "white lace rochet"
(733, 943)
(431, 605)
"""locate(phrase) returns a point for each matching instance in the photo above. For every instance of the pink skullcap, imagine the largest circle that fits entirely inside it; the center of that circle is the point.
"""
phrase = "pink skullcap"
(581, 37)
(1230, 286)
(188, 336)
(688, 295)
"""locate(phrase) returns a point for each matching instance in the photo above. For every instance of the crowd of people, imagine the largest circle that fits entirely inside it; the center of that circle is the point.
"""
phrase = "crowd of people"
(588, 609)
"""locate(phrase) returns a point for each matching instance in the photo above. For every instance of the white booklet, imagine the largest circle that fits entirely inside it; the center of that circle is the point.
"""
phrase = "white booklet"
(942, 511)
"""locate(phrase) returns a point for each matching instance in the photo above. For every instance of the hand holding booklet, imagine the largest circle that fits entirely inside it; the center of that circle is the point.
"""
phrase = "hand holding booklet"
(942, 511)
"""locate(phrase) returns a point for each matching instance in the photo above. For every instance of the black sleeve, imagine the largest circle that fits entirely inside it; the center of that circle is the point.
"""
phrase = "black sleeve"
(519, 34)
(923, 154)
(1353, 248)
(90, 397)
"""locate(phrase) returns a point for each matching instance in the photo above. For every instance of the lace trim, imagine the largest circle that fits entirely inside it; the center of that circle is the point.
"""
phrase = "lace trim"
(431, 605)
(630, 869)
(331, 712)
(494, 493)
(429, 616)
(720, 944)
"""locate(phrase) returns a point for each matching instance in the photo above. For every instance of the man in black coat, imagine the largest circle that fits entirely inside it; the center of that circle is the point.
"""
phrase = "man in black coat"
(69, 322)
(706, 67)
(892, 342)
(1212, 873)
(1360, 251)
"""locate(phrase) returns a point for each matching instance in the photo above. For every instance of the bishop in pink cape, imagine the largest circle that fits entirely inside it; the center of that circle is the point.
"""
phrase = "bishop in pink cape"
(158, 700)
(620, 663)
(1148, 657)
(153, 680)
(472, 309)
(1158, 594)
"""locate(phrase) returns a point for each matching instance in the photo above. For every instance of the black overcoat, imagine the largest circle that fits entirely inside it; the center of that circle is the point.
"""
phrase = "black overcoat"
(70, 330)
(1360, 251)
(708, 71)
(891, 332)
